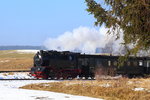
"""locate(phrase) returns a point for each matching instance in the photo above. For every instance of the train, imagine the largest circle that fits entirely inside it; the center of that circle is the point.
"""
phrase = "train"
(50, 64)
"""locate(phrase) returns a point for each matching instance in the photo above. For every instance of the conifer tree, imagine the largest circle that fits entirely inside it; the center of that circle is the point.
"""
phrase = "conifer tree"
(130, 16)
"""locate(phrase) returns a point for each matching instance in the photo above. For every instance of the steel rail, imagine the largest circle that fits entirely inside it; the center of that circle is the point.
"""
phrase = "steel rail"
(21, 79)
(15, 71)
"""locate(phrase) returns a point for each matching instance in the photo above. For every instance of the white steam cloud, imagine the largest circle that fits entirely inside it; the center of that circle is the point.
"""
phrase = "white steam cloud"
(85, 40)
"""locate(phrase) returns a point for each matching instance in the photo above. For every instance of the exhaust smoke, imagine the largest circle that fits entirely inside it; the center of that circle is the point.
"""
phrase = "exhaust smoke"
(85, 40)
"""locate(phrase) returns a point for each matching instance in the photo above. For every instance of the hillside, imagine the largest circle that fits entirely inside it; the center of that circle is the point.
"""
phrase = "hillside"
(21, 47)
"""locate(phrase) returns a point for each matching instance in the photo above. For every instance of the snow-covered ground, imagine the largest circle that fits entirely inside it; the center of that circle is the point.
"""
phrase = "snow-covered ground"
(17, 75)
(27, 51)
(9, 90)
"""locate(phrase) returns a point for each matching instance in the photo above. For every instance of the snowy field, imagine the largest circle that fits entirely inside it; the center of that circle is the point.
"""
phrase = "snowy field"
(9, 90)
(26, 51)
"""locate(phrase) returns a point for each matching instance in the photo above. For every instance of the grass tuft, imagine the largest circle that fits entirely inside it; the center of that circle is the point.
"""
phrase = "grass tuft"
(122, 89)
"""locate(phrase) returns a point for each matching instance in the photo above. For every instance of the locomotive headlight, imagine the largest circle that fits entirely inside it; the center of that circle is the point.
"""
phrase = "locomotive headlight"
(38, 59)
(39, 69)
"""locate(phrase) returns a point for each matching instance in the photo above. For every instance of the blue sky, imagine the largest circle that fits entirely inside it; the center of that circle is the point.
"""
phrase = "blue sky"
(31, 22)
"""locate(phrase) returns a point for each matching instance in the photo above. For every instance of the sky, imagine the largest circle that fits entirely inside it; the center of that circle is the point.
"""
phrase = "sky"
(31, 22)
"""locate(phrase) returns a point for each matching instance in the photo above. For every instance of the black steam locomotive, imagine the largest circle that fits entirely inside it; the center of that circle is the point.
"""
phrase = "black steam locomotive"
(54, 64)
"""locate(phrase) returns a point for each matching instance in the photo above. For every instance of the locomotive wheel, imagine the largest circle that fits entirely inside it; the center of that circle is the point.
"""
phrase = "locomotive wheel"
(66, 76)
(61, 78)
(69, 78)
(46, 77)
(50, 78)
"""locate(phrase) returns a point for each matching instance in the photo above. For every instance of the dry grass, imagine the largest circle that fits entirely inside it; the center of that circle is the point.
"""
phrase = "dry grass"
(121, 89)
(11, 60)
(6, 74)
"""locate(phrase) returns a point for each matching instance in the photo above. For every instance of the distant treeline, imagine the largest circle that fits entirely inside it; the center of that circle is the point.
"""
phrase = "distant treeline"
(22, 47)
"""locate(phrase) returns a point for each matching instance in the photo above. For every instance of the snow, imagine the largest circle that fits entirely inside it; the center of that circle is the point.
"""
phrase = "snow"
(105, 85)
(27, 51)
(138, 89)
(4, 61)
(17, 75)
(9, 90)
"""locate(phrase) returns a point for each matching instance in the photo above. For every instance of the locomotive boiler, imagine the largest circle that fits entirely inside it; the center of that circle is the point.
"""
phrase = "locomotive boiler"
(65, 64)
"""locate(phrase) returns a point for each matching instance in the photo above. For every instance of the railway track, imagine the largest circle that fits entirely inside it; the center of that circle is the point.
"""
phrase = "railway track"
(41, 79)
(21, 79)
(14, 71)
(15, 78)
(9, 79)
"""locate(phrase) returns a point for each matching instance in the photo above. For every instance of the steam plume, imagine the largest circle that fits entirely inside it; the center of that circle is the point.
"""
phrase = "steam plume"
(85, 40)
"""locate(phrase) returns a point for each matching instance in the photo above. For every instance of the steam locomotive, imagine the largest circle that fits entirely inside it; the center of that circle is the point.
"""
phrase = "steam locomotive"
(54, 64)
